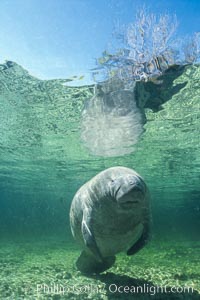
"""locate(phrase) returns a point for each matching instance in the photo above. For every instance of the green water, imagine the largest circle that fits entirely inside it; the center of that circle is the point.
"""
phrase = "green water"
(43, 163)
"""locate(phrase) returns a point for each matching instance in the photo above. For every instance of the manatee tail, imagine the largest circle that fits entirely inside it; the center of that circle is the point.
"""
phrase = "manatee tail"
(88, 265)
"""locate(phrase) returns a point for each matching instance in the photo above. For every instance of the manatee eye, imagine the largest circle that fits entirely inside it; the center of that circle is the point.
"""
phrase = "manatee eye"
(131, 180)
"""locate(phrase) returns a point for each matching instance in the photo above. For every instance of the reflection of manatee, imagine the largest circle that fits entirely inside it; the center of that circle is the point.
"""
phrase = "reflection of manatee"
(110, 214)
(111, 121)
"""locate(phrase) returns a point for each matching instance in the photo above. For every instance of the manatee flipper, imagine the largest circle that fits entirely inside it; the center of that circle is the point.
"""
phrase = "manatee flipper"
(87, 263)
(143, 240)
(89, 238)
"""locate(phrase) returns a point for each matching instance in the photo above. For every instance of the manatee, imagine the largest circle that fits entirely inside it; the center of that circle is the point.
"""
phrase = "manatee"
(110, 214)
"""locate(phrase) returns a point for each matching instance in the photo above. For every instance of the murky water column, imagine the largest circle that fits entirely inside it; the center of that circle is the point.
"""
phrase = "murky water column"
(111, 121)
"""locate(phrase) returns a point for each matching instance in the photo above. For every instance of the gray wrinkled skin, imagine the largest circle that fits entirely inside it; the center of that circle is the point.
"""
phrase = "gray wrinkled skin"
(109, 214)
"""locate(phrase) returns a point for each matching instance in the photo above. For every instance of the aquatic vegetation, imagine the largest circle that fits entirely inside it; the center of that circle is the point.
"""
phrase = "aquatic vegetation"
(45, 270)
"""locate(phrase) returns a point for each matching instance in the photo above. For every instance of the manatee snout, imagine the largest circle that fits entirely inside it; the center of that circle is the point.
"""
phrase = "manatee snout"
(132, 190)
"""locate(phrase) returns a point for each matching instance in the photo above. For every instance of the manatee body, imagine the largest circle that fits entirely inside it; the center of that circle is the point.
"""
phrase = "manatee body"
(109, 214)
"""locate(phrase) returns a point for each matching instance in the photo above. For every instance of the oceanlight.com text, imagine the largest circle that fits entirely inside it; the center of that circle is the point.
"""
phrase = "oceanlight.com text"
(149, 289)
(59, 289)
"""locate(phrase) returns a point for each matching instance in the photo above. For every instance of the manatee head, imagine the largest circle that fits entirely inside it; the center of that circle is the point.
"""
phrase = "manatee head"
(128, 191)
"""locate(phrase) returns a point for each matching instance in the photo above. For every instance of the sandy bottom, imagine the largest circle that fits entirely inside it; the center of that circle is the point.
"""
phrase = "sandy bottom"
(45, 269)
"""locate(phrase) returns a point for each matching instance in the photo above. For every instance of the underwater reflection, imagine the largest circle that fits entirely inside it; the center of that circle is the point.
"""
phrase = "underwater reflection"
(113, 119)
